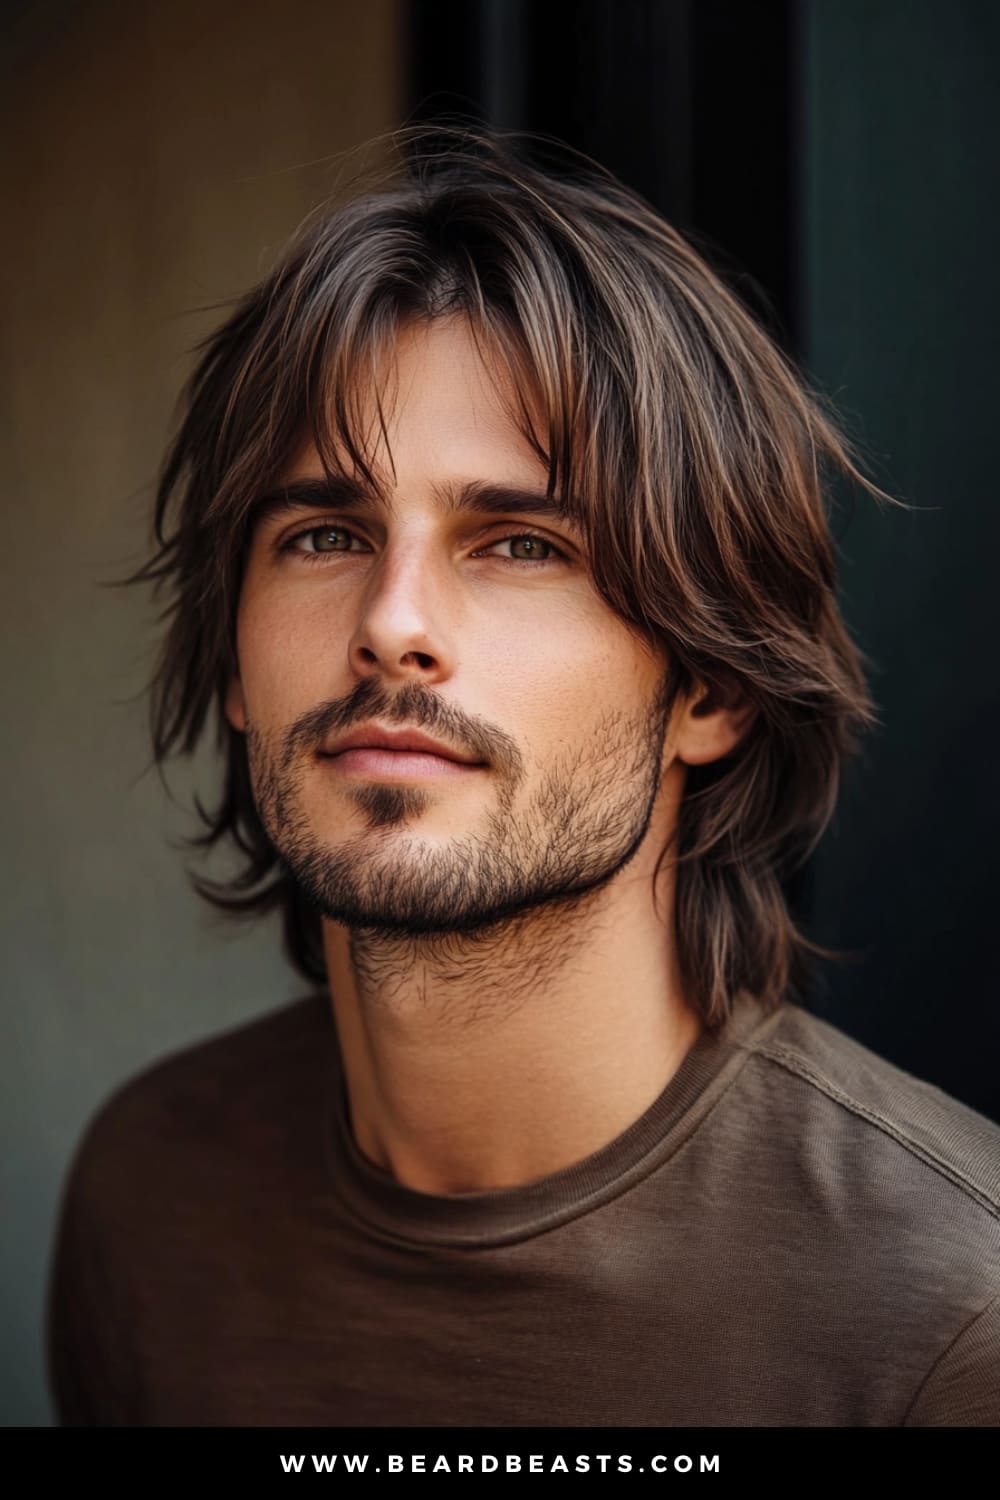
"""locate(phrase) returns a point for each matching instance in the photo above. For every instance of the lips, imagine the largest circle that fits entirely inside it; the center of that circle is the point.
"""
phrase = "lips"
(373, 738)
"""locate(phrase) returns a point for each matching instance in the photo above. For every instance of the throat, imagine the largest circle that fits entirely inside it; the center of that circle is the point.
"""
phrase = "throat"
(487, 1061)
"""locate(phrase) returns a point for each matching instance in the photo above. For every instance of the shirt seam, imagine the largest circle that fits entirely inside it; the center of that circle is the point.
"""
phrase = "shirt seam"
(966, 1326)
(794, 1063)
(685, 1129)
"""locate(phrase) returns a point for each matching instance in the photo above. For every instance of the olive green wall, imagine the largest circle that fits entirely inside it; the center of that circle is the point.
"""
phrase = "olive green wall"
(161, 153)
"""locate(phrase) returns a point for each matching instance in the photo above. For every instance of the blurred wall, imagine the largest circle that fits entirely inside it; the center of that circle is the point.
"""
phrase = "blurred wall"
(902, 221)
(159, 154)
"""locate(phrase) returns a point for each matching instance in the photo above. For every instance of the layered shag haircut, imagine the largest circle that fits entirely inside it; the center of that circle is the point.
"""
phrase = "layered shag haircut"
(695, 456)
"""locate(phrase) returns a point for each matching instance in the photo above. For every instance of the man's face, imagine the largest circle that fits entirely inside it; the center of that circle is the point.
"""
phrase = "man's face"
(448, 621)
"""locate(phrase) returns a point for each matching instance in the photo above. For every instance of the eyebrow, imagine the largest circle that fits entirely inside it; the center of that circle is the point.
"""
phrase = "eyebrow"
(477, 497)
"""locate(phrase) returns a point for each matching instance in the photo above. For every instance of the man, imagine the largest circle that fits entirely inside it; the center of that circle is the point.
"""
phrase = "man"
(496, 542)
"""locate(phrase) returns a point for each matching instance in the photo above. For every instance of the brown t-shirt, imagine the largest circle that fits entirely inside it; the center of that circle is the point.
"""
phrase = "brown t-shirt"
(795, 1232)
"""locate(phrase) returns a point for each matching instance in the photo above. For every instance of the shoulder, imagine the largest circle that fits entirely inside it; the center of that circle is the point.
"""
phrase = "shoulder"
(902, 1119)
(278, 1041)
(197, 1103)
(885, 1192)
(185, 1155)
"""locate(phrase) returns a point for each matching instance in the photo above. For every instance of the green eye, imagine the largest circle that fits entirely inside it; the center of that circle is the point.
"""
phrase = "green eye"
(325, 538)
(536, 546)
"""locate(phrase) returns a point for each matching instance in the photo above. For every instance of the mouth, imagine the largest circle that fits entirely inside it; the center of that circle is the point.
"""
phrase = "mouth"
(379, 752)
(376, 763)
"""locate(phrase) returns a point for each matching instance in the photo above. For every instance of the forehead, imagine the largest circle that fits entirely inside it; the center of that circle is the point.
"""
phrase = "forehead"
(437, 396)
(440, 415)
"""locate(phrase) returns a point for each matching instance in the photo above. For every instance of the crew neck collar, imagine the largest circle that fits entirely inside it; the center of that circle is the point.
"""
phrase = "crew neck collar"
(500, 1216)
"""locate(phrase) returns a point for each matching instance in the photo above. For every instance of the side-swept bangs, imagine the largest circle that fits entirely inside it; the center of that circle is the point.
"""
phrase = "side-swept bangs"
(693, 456)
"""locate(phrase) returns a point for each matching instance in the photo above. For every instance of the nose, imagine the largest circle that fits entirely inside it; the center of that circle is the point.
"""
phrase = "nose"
(401, 632)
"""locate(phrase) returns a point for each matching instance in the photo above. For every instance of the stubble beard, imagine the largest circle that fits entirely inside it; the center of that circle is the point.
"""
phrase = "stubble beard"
(584, 822)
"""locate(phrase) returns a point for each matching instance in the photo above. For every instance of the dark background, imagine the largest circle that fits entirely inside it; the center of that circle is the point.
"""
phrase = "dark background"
(837, 161)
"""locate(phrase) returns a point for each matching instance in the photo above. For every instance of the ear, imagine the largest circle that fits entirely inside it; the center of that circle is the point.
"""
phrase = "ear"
(711, 723)
(236, 711)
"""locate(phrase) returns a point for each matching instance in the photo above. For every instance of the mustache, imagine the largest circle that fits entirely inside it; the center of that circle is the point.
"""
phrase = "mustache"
(412, 705)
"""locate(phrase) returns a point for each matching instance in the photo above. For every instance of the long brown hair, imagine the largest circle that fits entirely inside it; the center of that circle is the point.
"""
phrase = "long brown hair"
(695, 456)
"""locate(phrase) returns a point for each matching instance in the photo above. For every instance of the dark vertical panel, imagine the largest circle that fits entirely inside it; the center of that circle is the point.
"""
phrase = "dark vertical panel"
(742, 86)
(687, 102)
(903, 310)
(445, 62)
(613, 81)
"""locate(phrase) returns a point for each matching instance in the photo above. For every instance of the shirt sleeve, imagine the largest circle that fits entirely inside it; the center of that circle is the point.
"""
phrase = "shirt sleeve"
(963, 1387)
(85, 1343)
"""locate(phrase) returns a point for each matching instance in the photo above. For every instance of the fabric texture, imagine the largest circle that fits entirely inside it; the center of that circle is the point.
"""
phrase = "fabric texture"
(795, 1233)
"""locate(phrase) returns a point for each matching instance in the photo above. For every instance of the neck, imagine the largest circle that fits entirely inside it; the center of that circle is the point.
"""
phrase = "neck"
(491, 1060)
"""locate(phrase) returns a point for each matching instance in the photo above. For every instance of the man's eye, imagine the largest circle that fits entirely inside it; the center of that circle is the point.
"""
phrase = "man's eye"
(538, 548)
(532, 549)
(320, 539)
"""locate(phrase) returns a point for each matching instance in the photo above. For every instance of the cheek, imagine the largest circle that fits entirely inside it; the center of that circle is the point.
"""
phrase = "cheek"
(561, 679)
(282, 660)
